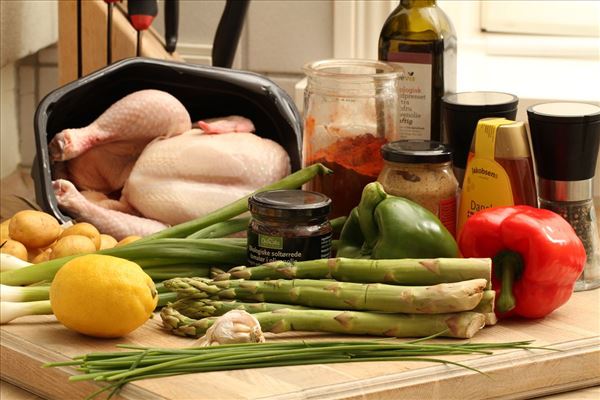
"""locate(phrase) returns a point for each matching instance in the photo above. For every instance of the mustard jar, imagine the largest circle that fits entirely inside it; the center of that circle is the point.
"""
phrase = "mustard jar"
(421, 171)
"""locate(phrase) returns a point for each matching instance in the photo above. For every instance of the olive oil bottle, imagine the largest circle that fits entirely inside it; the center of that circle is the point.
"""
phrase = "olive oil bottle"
(421, 39)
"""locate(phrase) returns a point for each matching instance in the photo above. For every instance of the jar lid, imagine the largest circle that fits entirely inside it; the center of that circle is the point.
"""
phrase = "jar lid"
(290, 203)
(416, 152)
(564, 112)
(480, 101)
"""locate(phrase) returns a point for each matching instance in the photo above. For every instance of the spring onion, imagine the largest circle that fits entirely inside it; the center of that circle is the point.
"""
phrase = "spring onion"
(10, 310)
(8, 262)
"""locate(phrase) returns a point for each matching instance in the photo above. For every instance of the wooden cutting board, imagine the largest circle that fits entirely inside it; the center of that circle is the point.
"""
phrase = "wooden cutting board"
(574, 329)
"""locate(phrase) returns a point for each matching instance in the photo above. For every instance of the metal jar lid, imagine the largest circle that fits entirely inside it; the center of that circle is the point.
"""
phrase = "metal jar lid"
(290, 203)
(416, 152)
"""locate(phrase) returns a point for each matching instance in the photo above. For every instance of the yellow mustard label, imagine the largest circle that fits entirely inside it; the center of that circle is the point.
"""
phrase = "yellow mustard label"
(486, 183)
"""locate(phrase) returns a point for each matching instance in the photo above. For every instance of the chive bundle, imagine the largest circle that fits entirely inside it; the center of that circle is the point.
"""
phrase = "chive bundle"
(119, 368)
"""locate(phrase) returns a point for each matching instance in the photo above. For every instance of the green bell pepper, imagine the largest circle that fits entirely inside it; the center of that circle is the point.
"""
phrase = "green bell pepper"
(383, 226)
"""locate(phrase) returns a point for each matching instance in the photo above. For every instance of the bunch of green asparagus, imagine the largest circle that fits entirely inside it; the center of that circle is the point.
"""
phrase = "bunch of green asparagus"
(400, 298)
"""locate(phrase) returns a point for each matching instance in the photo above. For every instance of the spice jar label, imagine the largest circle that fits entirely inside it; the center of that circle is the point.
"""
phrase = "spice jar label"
(265, 248)
(486, 183)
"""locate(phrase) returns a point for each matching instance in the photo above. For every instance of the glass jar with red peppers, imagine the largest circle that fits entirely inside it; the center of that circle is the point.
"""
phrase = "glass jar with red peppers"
(350, 111)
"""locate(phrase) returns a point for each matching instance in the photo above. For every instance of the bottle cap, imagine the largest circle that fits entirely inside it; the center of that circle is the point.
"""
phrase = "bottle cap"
(416, 152)
(511, 141)
(290, 203)
(565, 137)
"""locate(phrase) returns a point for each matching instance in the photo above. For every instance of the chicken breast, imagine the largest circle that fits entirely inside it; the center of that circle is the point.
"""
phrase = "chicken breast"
(186, 176)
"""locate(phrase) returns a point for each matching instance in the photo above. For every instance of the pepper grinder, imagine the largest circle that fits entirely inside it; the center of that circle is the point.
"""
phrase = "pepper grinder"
(565, 138)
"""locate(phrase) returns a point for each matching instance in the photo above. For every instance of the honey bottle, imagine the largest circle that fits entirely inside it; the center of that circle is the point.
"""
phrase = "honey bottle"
(499, 169)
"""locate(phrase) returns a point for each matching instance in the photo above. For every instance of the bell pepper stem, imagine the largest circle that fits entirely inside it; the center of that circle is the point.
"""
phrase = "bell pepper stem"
(508, 267)
(372, 195)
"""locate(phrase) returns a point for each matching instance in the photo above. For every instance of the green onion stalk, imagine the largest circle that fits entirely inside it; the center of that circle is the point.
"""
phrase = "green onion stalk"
(171, 252)
(120, 368)
(170, 247)
(13, 309)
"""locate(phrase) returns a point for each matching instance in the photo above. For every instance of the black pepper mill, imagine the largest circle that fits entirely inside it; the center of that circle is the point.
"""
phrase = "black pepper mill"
(565, 138)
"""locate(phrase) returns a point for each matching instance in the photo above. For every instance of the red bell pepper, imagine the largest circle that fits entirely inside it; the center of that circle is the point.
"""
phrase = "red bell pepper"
(537, 257)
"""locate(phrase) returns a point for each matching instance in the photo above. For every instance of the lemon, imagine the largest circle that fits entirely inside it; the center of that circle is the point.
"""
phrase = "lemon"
(102, 296)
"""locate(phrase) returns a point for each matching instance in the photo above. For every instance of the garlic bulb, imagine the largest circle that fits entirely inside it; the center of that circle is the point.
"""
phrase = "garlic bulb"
(235, 326)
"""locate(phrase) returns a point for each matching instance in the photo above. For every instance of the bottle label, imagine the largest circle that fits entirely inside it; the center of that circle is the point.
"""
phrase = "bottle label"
(265, 248)
(414, 93)
(447, 214)
(486, 182)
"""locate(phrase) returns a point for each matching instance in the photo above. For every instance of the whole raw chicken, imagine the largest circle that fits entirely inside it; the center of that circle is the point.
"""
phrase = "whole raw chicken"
(168, 172)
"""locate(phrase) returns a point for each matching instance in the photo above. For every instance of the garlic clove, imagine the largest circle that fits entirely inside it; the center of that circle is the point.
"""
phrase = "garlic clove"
(235, 326)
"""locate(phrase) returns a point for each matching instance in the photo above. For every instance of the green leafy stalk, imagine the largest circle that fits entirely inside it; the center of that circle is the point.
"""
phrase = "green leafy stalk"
(161, 273)
(10, 310)
(18, 293)
(222, 229)
(205, 251)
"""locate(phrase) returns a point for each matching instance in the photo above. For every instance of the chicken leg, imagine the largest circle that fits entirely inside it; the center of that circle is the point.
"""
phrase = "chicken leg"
(101, 155)
(140, 116)
(115, 223)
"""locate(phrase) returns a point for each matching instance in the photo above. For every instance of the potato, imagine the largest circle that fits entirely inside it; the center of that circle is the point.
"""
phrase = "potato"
(107, 242)
(34, 229)
(42, 256)
(14, 248)
(33, 253)
(128, 240)
(4, 230)
(84, 229)
(72, 245)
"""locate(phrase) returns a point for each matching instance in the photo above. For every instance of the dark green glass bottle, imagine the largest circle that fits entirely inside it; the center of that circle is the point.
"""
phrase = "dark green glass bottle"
(421, 39)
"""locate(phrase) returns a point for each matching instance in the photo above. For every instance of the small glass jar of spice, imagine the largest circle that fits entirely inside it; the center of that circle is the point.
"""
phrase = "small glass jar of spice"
(421, 171)
(288, 225)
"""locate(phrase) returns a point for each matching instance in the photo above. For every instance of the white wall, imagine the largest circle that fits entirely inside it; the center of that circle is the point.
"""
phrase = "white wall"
(9, 133)
(25, 27)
